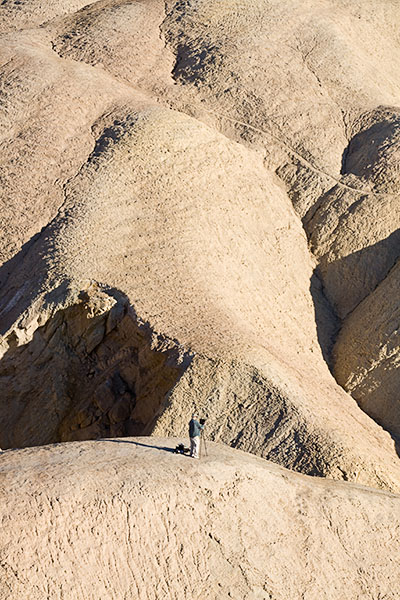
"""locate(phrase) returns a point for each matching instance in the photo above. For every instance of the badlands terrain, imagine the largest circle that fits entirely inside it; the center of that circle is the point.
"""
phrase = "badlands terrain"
(199, 208)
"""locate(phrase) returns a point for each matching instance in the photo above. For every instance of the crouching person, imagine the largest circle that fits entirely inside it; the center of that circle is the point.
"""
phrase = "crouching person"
(194, 433)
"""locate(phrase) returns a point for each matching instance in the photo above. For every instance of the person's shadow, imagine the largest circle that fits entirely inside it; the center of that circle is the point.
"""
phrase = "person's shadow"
(165, 448)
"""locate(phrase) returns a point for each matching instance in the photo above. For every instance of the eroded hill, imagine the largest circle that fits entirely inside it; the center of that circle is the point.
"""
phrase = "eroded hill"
(200, 209)
(130, 519)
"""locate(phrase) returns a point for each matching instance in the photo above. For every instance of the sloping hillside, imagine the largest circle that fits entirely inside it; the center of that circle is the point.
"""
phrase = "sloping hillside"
(130, 519)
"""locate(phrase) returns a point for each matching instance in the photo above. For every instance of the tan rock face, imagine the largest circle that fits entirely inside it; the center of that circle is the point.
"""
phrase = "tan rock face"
(117, 368)
(48, 107)
(370, 372)
(200, 252)
(130, 518)
(285, 78)
(121, 37)
(355, 232)
(24, 14)
(157, 160)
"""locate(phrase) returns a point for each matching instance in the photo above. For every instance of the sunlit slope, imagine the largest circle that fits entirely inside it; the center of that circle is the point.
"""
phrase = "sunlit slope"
(128, 518)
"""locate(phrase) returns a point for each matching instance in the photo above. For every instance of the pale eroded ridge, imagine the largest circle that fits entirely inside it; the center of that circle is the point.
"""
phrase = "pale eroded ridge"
(129, 519)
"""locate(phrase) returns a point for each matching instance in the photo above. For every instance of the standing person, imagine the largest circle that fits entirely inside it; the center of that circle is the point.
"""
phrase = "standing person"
(194, 433)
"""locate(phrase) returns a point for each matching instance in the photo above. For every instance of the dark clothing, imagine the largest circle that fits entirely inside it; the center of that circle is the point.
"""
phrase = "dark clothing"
(195, 428)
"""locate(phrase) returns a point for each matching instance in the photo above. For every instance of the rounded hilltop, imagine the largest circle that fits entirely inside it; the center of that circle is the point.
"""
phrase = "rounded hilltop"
(129, 517)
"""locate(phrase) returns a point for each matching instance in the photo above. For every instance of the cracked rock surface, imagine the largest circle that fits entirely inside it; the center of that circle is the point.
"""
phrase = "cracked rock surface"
(128, 518)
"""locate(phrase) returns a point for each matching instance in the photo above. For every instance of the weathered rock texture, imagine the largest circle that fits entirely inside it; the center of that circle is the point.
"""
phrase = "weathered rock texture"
(118, 369)
(129, 519)
(370, 370)
(200, 209)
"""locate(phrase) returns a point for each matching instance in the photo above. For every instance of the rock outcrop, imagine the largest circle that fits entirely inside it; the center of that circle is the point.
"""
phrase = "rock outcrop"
(202, 257)
(370, 370)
